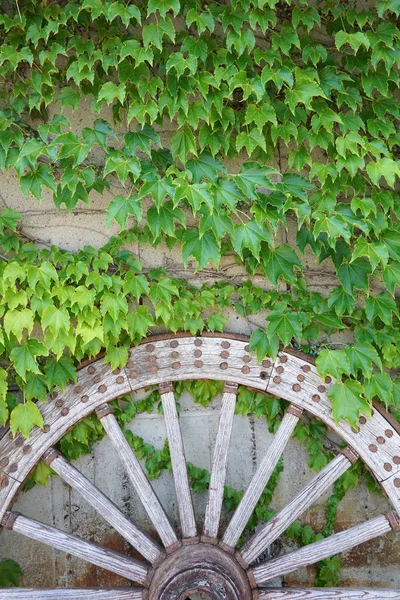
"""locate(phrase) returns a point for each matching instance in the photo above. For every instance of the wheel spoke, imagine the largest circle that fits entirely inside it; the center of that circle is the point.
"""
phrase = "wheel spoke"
(339, 542)
(137, 476)
(220, 462)
(308, 495)
(143, 543)
(71, 544)
(181, 480)
(261, 477)
(328, 594)
(71, 594)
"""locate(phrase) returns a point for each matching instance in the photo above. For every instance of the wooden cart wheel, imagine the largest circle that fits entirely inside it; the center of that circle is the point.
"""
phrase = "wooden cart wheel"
(194, 560)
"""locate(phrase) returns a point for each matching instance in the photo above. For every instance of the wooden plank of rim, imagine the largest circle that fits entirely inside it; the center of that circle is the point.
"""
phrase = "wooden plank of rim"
(71, 544)
(375, 439)
(71, 594)
(137, 476)
(328, 594)
(313, 553)
(220, 462)
(181, 480)
(260, 478)
(107, 509)
(305, 498)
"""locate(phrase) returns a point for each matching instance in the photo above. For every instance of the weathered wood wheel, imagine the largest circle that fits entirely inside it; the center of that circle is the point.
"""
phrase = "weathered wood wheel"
(196, 560)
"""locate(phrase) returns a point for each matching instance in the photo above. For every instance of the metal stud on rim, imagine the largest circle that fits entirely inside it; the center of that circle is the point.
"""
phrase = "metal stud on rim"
(196, 560)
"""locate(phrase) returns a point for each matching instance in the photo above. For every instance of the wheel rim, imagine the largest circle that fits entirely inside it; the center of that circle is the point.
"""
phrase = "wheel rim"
(163, 360)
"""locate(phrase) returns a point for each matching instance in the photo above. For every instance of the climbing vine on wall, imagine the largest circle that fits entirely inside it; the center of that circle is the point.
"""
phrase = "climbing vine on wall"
(306, 97)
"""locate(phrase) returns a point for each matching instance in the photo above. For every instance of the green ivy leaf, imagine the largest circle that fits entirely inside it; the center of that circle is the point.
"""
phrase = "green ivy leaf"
(253, 176)
(120, 208)
(136, 284)
(281, 261)
(250, 235)
(374, 251)
(15, 321)
(36, 387)
(110, 91)
(387, 168)
(42, 473)
(60, 372)
(286, 324)
(251, 140)
(56, 319)
(117, 357)
(264, 344)
(24, 417)
(4, 411)
(380, 386)
(362, 356)
(348, 402)
(333, 362)
(10, 573)
(354, 40)
(382, 306)
(163, 219)
(33, 181)
(163, 6)
(204, 249)
(139, 322)
(24, 357)
(355, 275)
(69, 96)
(183, 143)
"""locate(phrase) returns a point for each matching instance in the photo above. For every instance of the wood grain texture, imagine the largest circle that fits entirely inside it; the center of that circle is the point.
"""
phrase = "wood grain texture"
(71, 594)
(71, 544)
(139, 480)
(376, 441)
(329, 594)
(81, 399)
(181, 480)
(107, 509)
(60, 413)
(392, 488)
(259, 481)
(219, 466)
(309, 555)
(303, 500)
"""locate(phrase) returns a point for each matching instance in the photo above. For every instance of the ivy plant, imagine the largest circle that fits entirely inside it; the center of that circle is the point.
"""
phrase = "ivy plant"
(304, 98)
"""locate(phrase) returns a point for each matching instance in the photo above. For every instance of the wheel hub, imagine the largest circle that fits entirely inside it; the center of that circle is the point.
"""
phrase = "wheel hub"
(199, 568)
